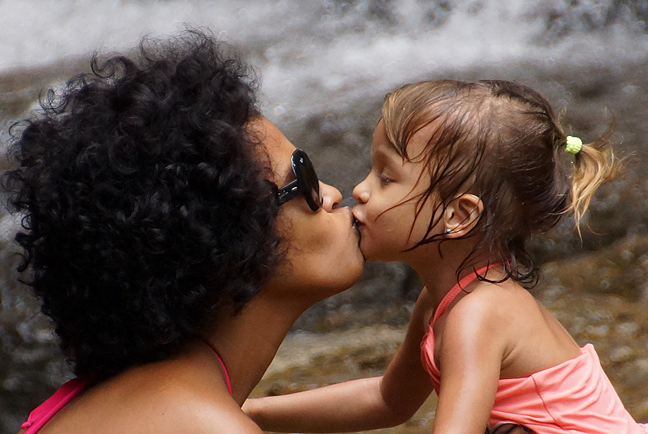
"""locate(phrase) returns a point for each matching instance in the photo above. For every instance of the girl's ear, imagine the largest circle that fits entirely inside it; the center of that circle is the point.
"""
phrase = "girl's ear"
(462, 215)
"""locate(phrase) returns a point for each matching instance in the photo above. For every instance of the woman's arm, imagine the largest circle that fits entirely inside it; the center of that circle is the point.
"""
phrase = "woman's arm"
(357, 405)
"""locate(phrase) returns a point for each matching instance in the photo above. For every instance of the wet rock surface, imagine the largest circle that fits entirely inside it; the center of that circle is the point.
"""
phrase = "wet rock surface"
(596, 286)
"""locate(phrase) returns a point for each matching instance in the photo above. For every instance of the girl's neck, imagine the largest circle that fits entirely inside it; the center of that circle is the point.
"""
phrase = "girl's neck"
(439, 273)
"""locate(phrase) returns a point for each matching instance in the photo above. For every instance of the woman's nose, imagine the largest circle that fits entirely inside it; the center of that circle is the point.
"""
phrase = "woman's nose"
(331, 196)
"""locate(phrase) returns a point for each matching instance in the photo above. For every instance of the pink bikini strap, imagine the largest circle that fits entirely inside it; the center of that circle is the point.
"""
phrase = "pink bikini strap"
(44, 412)
(227, 377)
(465, 281)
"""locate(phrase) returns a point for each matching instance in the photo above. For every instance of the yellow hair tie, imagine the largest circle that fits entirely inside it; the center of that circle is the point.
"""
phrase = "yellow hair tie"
(573, 145)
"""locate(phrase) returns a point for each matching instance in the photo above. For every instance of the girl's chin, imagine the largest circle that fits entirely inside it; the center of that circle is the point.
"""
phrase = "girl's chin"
(381, 252)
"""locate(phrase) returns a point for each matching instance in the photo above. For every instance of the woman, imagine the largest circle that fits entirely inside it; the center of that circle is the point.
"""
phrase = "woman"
(174, 236)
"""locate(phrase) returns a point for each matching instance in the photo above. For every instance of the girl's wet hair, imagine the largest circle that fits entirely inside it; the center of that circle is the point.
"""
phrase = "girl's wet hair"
(146, 203)
(502, 142)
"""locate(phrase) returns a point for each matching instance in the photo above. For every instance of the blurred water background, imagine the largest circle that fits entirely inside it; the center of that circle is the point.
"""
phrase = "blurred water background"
(325, 67)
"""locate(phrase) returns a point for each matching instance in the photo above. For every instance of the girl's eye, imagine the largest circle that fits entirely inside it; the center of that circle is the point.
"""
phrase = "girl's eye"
(384, 179)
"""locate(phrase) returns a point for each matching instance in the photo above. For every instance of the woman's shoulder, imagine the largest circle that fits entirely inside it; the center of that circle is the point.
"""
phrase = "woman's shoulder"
(173, 397)
(192, 412)
(161, 398)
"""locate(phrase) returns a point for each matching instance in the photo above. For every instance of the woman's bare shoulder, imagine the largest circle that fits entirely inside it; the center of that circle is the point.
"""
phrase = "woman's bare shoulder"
(213, 418)
(175, 399)
(162, 398)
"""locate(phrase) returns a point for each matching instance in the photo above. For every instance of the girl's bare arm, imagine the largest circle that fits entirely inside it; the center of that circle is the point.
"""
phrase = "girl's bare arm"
(357, 405)
(471, 351)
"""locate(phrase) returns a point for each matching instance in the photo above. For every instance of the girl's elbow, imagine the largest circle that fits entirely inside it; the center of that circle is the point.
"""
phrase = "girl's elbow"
(402, 418)
(401, 412)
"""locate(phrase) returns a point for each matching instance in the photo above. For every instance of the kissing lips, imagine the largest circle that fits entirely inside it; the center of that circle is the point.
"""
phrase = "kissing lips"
(357, 226)
(356, 221)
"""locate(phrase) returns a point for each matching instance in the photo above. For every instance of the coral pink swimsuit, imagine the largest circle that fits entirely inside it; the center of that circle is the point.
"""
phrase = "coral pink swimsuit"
(572, 397)
(44, 412)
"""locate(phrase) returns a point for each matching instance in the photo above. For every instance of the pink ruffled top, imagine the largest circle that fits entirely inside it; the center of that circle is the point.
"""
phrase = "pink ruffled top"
(572, 397)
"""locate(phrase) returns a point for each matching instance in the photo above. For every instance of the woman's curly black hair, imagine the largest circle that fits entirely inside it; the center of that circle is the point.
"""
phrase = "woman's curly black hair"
(146, 205)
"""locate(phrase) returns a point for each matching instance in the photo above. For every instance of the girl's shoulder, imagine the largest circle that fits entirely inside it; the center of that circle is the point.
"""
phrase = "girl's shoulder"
(487, 303)
(507, 292)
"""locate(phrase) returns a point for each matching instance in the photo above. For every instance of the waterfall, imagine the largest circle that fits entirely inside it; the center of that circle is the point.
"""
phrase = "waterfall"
(318, 55)
(325, 67)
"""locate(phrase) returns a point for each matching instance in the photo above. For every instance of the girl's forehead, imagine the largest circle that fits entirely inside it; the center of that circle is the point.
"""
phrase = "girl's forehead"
(421, 141)
(381, 145)
(418, 143)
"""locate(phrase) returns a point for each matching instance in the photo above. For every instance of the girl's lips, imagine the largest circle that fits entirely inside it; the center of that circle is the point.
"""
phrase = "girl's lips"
(356, 220)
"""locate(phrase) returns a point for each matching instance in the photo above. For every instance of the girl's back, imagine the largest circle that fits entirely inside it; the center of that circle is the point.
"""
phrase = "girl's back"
(546, 382)
(533, 339)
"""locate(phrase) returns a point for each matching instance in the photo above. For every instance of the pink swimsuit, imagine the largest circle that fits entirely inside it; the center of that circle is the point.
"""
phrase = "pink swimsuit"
(44, 412)
(572, 397)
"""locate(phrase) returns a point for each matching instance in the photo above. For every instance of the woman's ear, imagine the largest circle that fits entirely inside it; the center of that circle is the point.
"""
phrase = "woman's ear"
(462, 215)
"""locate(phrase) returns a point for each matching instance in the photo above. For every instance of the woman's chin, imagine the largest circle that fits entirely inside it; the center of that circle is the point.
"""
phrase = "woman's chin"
(355, 276)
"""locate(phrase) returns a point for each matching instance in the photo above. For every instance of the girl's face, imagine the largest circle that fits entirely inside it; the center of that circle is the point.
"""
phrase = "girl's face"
(322, 256)
(387, 200)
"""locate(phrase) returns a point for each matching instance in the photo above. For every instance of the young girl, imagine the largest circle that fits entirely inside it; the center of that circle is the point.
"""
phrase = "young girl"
(462, 175)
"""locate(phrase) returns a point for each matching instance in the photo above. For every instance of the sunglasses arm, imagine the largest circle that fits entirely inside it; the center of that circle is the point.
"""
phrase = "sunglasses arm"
(288, 192)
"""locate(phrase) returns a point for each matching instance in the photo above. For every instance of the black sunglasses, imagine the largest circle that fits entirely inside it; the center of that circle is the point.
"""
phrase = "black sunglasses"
(306, 183)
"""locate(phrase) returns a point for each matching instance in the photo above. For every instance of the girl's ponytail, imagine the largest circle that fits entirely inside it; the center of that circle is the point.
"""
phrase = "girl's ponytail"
(594, 164)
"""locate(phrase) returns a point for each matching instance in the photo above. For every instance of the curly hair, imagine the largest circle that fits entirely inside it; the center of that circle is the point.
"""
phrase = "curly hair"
(501, 141)
(146, 203)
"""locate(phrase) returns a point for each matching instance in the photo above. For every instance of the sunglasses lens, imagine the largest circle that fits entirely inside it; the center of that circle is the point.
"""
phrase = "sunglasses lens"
(310, 181)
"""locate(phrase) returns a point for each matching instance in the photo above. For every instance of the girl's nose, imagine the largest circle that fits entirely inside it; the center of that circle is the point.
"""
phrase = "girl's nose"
(331, 196)
(361, 192)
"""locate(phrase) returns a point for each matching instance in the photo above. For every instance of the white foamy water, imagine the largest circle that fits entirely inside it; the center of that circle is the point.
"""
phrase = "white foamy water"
(316, 56)
(335, 59)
